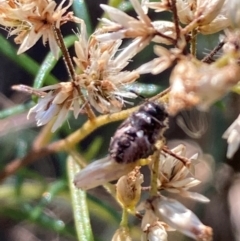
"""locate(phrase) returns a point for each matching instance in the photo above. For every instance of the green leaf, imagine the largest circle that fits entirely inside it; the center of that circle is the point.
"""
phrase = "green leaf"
(80, 10)
(48, 196)
(15, 110)
(114, 3)
(103, 210)
(93, 148)
(79, 203)
(125, 6)
(22, 60)
(25, 213)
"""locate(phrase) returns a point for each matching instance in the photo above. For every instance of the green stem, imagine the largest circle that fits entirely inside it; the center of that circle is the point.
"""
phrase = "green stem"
(154, 174)
(79, 203)
(124, 221)
(15, 110)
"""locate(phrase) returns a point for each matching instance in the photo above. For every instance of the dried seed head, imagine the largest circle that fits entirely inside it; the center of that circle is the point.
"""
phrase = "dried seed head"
(101, 77)
(197, 83)
(207, 17)
(175, 177)
(128, 189)
(31, 20)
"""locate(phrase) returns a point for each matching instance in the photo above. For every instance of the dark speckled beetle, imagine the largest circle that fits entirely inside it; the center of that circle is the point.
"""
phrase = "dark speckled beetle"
(136, 136)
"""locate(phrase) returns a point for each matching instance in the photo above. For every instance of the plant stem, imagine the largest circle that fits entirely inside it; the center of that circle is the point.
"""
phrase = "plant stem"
(124, 221)
(154, 173)
(194, 42)
(79, 204)
(71, 71)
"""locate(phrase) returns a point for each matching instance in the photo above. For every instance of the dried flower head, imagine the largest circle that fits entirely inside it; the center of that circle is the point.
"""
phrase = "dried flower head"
(31, 20)
(175, 177)
(101, 75)
(206, 16)
(122, 26)
(56, 103)
(128, 189)
(161, 63)
(197, 83)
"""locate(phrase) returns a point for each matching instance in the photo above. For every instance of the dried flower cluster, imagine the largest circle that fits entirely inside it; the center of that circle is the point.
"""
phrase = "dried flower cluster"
(99, 80)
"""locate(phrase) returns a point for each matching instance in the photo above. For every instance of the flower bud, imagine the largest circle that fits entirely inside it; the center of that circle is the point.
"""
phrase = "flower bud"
(179, 217)
(155, 232)
(128, 189)
(122, 234)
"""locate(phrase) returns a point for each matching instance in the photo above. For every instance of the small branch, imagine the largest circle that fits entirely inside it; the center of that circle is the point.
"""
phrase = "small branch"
(166, 37)
(71, 70)
(70, 141)
(139, 215)
(209, 58)
(28, 90)
(64, 144)
(161, 95)
(194, 42)
(65, 53)
(155, 172)
(175, 20)
(124, 220)
(184, 160)
(191, 26)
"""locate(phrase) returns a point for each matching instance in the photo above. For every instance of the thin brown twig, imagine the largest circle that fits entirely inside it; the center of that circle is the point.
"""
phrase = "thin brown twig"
(139, 215)
(166, 37)
(209, 58)
(71, 70)
(184, 160)
(65, 53)
(161, 94)
(175, 19)
(67, 143)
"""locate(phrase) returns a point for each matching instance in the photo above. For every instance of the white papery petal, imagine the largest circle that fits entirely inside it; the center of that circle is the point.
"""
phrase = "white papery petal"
(208, 10)
(194, 195)
(101, 172)
(117, 15)
(185, 13)
(179, 217)
(189, 182)
(61, 117)
(232, 134)
(29, 41)
(138, 9)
